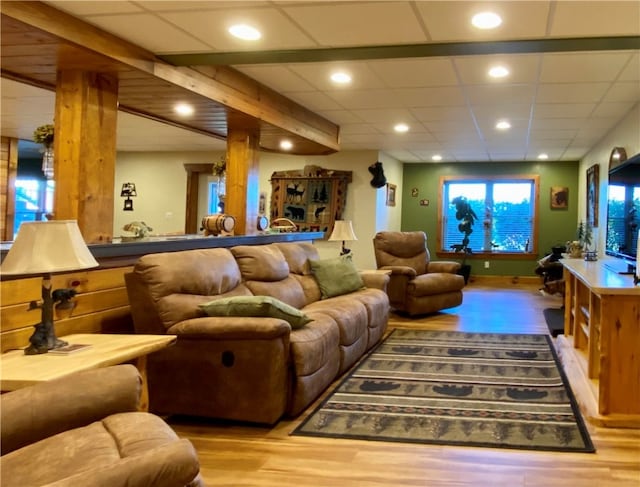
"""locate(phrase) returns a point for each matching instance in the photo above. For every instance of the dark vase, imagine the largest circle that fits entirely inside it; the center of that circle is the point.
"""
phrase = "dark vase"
(465, 271)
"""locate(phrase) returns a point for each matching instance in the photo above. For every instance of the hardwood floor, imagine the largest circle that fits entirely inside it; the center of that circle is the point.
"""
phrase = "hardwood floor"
(243, 455)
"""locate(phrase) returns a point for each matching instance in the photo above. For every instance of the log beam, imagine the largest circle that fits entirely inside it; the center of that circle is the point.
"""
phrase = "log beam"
(86, 115)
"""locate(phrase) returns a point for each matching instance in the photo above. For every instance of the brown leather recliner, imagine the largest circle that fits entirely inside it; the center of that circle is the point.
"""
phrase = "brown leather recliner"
(417, 285)
(85, 429)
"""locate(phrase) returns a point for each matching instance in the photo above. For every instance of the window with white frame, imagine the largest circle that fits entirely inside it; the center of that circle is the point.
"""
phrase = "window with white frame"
(506, 211)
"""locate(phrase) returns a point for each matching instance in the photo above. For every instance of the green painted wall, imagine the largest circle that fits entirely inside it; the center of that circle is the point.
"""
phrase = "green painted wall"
(555, 226)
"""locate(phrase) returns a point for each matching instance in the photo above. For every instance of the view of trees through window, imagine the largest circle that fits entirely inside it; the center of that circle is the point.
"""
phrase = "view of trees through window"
(623, 214)
(505, 209)
(34, 199)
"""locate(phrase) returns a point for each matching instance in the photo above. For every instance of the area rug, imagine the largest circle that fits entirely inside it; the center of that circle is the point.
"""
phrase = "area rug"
(454, 388)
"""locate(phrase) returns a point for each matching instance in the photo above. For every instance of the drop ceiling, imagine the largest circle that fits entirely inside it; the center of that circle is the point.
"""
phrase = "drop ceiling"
(560, 100)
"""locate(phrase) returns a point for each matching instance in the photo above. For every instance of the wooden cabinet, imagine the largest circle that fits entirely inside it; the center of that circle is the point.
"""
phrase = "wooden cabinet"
(601, 344)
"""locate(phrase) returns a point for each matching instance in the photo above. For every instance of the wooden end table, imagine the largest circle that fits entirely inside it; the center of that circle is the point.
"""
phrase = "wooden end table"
(18, 370)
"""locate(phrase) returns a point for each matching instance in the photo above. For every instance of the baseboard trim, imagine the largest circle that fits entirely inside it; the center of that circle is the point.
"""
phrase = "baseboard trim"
(505, 280)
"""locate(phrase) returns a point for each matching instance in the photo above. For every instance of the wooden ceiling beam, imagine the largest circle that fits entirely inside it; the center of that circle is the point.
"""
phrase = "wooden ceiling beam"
(226, 87)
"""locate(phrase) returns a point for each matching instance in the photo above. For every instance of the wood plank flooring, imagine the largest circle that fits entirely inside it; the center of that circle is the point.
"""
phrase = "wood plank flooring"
(254, 456)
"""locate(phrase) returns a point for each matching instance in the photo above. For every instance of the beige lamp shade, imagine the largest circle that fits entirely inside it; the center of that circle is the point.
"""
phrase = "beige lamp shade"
(48, 247)
(343, 230)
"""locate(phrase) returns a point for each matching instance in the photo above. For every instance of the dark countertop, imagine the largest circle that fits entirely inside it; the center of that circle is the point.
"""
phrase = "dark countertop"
(118, 253)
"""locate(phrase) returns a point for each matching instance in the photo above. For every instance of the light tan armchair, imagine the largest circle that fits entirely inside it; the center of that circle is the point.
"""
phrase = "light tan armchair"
(84, 429)
(417, 285)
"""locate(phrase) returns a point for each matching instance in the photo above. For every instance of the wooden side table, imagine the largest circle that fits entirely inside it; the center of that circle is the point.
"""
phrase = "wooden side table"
(18, 370)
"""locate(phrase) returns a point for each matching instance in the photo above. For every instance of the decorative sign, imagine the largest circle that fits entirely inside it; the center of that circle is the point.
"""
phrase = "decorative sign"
(312, 198)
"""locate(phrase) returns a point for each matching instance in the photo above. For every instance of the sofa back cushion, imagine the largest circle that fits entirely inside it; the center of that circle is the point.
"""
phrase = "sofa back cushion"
(298, 255)
(177, 282)
(265, 272)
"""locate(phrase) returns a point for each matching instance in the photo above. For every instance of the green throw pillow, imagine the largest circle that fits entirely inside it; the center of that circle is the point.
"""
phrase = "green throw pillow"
(263, 306)
(336, 276)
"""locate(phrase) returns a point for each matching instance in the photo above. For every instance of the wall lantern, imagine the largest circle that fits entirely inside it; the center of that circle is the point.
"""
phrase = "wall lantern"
(128, 192)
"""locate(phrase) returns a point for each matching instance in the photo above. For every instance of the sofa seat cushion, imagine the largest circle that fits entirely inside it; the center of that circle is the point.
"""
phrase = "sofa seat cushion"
(376, 302)
(96, 445)
(313, 345)
(351, 317)
(315, 357)
(435, 283)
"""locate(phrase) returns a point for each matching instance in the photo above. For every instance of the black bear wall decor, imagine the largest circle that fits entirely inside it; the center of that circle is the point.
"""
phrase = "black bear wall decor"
(376, 170)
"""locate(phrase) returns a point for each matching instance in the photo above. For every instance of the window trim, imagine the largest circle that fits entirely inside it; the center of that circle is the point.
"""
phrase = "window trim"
(533, 252)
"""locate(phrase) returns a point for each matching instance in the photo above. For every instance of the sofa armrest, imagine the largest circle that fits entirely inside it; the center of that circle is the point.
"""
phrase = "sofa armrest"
(174, 464)
(401, 270)
(36, 412)
(376, 280)
(443, 266)
(231, 328)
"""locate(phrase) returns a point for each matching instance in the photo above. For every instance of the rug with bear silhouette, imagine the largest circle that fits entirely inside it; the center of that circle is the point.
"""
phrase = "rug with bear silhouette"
(455, 388)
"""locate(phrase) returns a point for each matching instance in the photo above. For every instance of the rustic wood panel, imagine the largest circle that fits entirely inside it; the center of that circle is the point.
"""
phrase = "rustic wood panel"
(8, 173)
(115, 320)
(102, 305)
(20, 316)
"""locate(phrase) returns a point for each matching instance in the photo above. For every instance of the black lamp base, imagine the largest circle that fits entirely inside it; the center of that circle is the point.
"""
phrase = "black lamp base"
(43, 339)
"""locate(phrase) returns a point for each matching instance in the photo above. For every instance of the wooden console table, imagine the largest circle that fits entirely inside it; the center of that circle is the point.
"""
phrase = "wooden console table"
(19, 370)
(601, 344)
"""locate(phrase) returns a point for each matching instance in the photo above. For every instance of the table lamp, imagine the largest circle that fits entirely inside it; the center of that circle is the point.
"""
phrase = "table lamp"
(343, 230)
(45, 248)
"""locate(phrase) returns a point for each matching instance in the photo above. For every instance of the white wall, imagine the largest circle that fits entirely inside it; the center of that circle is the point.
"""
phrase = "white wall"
(626, 134)
(160, 181)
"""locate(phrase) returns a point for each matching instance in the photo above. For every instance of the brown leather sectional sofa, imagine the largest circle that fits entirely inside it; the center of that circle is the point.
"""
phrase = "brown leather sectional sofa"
(254, 369)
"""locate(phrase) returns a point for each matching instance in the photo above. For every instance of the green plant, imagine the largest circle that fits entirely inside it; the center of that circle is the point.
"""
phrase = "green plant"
(44, 135)
(467, 218)
(220, 167)
(584, 234)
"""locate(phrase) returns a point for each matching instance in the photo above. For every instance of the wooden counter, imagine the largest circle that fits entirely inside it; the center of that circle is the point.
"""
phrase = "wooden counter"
(600, 348)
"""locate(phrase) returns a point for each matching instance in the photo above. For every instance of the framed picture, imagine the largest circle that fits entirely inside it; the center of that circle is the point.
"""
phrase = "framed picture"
(559, 197)
(391, 194)
(593, 183)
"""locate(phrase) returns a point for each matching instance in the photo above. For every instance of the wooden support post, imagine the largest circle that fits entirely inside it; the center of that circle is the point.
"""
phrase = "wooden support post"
(85, 151)
(243, 188)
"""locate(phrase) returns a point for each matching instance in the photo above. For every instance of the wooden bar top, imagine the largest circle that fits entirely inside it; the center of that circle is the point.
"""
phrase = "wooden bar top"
(600, 278)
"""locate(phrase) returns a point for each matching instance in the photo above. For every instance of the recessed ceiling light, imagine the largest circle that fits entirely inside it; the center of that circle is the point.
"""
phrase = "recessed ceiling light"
(436, 158)
(245, 32)
(286, 145)
(183, 109)
(401, 127)
(503, 125)
(341, 77)
(498, 72)
(543, 156)
(486, 20)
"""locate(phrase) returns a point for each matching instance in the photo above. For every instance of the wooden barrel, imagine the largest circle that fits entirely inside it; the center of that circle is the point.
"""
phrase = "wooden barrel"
(218, 224)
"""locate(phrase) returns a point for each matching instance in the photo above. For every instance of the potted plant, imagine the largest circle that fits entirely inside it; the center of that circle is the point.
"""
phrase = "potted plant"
(467, 218)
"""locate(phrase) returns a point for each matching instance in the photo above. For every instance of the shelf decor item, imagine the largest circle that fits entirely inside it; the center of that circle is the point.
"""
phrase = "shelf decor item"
(220, 171)
(44, 248)
(44, 135)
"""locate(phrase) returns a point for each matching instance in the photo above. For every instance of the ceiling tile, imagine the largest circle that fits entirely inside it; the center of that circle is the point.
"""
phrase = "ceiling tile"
(411, 73)
(343, 24)
(571, 92)
(473, 70)
(577, 67)
(451, 21)
(595, 18)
